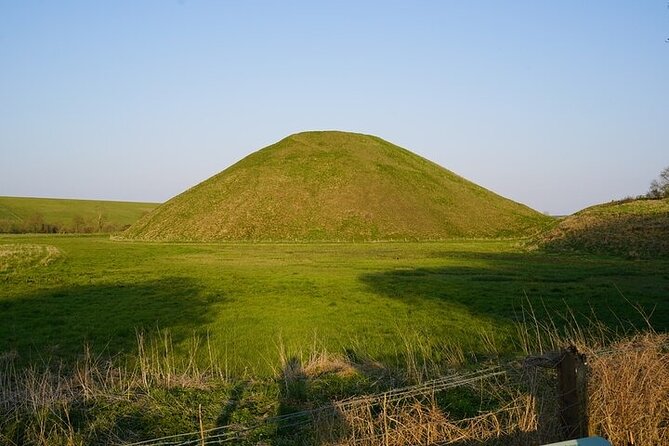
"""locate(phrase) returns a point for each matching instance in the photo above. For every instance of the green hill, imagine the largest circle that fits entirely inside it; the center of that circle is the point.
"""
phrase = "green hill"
(335, 186)
(635, 229)
(21, 215)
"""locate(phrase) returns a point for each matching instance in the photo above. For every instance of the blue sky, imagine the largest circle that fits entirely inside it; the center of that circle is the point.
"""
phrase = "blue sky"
(558, 105)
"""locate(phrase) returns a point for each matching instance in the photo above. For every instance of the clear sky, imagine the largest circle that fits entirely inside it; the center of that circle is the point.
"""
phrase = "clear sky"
(556, 104)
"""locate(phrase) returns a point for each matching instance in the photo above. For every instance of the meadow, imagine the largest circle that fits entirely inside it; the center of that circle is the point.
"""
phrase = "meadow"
(254, 302)
(105, 341)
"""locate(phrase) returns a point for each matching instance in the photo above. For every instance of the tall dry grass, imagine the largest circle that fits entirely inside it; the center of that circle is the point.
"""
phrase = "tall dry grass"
(525, 414)
(628, 392)
(36, 401)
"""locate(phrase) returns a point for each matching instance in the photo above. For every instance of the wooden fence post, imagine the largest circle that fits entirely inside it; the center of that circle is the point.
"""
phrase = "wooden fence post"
(573, 393)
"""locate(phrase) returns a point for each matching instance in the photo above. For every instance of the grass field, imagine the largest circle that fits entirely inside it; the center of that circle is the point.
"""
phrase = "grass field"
(253, 300)
(23, 214)
(283, 328)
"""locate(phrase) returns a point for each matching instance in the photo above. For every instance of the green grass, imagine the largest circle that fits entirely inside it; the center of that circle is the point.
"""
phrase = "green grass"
(21, 214)
(264, 309)
(253, 300)
(336, 186)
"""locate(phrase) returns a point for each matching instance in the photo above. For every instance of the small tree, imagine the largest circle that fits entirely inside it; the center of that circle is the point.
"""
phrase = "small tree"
(34, 223)
(78, 223)
(659, 188)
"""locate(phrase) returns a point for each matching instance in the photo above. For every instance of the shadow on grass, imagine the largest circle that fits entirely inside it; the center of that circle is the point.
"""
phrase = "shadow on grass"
(305, 400)
(501, 286)
(57, 323)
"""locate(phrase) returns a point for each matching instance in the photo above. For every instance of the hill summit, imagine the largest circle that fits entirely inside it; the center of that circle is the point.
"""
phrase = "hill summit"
(335, 186)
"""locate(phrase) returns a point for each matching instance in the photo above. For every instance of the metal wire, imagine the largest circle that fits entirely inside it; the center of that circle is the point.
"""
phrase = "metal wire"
(227, 433)
(233, 432)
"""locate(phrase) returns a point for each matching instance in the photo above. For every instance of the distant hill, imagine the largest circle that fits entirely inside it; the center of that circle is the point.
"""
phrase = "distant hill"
(24, 215)
(334, 186)
(634, 228)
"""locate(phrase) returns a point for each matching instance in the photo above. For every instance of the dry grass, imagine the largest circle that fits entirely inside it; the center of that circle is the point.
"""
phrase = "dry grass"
(629, 391)
(425, 423)
(312, 365)
(415, 421)
(35, 402)
(527, 416)
(628, 394)
(21, 256)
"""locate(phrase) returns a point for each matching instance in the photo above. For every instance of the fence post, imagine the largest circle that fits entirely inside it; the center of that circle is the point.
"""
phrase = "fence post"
(573, 393)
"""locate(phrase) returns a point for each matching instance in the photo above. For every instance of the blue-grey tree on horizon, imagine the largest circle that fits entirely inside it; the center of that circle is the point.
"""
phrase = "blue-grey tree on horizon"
(659, 188)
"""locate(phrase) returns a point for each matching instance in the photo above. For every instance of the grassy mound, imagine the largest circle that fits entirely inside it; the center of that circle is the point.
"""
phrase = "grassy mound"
(50, 215)
(635, 229)
(333, 186)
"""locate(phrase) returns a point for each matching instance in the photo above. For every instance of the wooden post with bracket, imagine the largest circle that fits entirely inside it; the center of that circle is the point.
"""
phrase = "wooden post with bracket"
(573, 393)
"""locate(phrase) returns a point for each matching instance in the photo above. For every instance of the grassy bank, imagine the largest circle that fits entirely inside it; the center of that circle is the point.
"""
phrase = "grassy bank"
(631, 228)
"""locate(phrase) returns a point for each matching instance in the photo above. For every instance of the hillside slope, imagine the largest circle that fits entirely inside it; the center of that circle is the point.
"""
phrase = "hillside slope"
(335, 186)
(24, 214)
(635, 229)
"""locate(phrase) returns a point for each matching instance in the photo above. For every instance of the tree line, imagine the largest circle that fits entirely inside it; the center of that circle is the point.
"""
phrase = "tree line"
(37, 224)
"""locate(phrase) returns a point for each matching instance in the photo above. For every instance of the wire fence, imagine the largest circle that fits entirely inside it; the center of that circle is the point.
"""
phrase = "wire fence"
(372, 410)
(235, 432)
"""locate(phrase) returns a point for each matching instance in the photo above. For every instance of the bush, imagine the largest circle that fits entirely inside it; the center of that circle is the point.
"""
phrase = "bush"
(659, 188)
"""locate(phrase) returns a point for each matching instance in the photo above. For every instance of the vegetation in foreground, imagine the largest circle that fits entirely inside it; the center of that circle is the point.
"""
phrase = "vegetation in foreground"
(183, 335)
(20, 215)
(308, 402)
(629, 228)
(336, 186)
